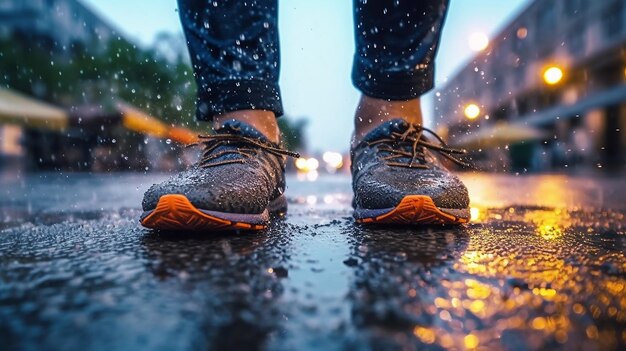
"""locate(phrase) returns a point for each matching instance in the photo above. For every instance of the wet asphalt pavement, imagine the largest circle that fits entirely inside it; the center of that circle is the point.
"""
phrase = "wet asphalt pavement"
(542, 266)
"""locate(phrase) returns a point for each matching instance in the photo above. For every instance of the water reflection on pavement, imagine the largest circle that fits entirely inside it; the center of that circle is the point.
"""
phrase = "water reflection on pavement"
(541, 266)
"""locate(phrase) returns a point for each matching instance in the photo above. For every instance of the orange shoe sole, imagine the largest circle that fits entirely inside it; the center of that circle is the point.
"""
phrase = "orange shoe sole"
(415, 209)
(175, 212)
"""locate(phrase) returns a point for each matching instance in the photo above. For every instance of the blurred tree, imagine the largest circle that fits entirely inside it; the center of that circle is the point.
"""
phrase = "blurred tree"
(100, 74)
(157, 82)
(293, 132)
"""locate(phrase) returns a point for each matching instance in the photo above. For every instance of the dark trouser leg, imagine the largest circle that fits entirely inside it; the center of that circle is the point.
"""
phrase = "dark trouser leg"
(235, 54)
(396, 43)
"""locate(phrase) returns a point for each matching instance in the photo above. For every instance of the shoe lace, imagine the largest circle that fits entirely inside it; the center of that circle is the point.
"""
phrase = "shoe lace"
(242, 145)
(397, 144)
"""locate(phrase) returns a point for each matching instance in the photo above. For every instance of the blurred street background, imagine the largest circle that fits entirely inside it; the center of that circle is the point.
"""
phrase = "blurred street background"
(97, 103)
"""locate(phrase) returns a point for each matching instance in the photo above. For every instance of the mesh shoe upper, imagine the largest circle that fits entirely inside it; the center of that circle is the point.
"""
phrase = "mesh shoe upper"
(240, 172)
(394, 161)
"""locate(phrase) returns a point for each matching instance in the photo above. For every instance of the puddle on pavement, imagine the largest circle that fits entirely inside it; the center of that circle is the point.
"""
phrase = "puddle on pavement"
(543, 277)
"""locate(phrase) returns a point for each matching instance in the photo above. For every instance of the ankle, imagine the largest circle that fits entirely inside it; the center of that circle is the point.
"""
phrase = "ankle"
(372, 112)
(262, 120)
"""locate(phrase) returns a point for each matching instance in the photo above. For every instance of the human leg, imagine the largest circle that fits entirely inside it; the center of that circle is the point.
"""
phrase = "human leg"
(396, 178)
(396, 42)
(235, 53)
(239, 180)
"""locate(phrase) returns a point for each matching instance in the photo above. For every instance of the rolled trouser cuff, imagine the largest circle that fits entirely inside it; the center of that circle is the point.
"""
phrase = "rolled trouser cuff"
(233, 95)
(396, 85)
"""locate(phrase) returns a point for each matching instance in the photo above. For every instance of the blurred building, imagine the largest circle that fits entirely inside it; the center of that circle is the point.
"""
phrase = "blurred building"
(548, 92)
(59, 23)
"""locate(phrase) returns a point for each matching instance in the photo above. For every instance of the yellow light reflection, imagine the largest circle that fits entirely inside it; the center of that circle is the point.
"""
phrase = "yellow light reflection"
(471, 341)
(477, 306)
(550, 223)
(477, 290)
(538, 323)
(426, 335)
(474, 213)
(541, 278)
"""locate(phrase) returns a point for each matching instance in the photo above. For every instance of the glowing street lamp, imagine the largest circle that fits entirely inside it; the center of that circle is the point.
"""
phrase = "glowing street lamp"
(307, 164)
(333, 159)
(478, 41)
(472, 111)
(307, 168)
(312, 164)
(301, 164)
(552, 75)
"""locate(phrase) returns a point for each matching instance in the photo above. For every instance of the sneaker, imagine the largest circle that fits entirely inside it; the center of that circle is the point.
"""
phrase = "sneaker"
(238, 182)
(397, 180)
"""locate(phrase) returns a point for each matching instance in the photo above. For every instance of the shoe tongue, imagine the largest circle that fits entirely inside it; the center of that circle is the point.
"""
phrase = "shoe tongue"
(239, 128)
(236, 127)
(384, 130)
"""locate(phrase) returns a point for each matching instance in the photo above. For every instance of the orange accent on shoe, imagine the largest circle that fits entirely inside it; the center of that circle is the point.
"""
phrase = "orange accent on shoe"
(176, 212)
(415, 209)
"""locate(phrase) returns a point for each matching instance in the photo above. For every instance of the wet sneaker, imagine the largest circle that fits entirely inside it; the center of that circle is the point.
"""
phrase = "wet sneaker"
(236, 185)
(397, 180)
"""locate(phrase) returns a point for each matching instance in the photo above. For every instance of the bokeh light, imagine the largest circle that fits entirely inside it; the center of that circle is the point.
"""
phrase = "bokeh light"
(472, 111)
(553, 75)
(333, 159)
(478, 41)
(312, 164)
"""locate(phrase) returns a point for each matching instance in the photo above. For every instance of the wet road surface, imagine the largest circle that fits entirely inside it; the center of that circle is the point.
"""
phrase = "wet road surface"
(542, 266)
